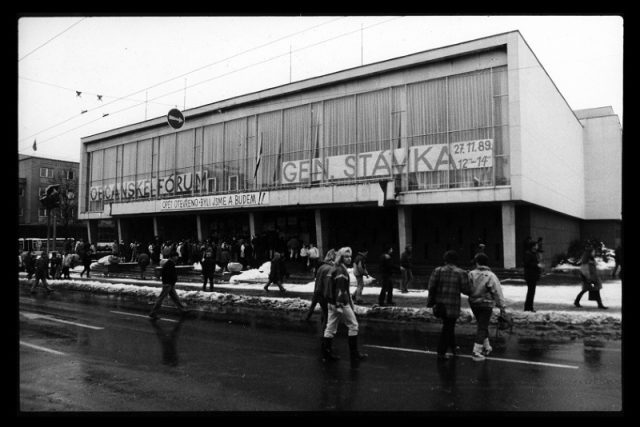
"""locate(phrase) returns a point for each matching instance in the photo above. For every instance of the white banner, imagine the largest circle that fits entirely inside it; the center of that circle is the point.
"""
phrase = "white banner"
(214, 202)
(421, 158)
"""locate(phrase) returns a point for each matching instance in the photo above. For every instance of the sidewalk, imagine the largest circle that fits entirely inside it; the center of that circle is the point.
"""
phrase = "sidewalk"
(549, 298)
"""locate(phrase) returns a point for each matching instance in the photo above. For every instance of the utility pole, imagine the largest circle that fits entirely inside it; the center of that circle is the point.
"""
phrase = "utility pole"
(361, 45)
(184, 104)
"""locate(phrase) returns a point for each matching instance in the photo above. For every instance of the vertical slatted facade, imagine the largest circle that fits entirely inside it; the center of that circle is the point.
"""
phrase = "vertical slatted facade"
(445, 110)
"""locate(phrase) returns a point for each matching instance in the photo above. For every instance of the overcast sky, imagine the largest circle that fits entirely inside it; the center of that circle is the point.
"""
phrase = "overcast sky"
(140, 66)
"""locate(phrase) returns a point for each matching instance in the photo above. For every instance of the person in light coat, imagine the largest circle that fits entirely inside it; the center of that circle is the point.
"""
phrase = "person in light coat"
(485, 294)
(340, 309)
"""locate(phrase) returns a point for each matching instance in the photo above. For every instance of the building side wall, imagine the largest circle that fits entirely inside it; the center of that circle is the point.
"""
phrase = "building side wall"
(551, 141)
(603, 168)
(556, 230)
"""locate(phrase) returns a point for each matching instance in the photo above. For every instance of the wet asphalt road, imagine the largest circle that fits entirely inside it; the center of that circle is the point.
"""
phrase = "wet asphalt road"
(101, 354)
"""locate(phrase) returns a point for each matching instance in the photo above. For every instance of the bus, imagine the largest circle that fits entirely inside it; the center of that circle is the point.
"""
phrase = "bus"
(38, 244)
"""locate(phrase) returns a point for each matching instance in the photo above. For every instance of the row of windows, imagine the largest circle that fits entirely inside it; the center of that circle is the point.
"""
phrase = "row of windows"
(248, 154)
(49, 173)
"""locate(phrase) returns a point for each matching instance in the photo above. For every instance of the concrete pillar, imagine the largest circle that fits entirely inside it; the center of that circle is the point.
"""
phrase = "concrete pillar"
(509, 234)
(199, 228)
(322, 235)
(119, 228)
(252, 225)
(155, 226)
(92, 231)
(405, 227)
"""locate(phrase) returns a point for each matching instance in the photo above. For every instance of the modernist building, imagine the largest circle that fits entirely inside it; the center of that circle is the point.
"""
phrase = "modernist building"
(440, 149)
(35, 174)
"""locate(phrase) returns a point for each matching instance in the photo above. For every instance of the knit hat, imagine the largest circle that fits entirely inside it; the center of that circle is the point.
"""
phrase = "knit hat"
(342, 252)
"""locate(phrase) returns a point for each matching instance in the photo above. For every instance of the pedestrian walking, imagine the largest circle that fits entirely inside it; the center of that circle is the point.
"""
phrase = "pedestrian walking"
(590, 280)
(86, 259)
(208, 270)
(406, 268)
(143, 261)
(340, 309)
(56, 265)
(41, 267)
(30, 264)
(386, 284)
(446, 283)
(322, 278)
(360, 271)
(278, 272)
(169, 279)
(485, 293)
(531, 274)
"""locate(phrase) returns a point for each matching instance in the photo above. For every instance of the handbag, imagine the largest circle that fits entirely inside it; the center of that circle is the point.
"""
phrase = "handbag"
(593, 295)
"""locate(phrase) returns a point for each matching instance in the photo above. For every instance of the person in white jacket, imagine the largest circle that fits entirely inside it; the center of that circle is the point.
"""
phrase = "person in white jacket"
(486, 293)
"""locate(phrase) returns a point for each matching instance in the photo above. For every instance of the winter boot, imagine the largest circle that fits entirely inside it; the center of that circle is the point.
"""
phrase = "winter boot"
(353, 349)
(486, 347)
(476, 354)
(327, 353)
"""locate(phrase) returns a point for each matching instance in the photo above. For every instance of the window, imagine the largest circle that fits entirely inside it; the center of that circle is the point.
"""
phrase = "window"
(42, 191)
(21, 212)
(212, 185)
(42, 212)
(20, 192)
(46, 173)
(233, 183)
(70, 174)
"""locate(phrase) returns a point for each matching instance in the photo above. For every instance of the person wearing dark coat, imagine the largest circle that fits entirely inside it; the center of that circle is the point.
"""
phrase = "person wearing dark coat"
(406, 266)
(446, 283)
(323, 275)
(208, 270)
(531, 274)
(589, 276)
(169, 279)
(143, 262)
(86, 259)
(386, 285)
(41, 267)
(278, 272)
(30, 264)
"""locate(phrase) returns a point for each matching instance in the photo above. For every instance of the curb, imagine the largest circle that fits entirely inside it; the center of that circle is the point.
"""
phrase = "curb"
(541, 325)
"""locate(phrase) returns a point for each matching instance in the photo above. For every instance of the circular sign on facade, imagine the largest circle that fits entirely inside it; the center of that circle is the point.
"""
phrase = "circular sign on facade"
(175, 118)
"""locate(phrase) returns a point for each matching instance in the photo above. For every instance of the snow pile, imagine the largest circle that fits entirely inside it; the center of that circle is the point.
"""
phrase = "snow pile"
(600, 265)
(260, 274)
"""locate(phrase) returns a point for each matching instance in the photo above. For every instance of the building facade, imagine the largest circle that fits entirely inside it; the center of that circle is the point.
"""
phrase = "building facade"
(441, 149)
(35, 174)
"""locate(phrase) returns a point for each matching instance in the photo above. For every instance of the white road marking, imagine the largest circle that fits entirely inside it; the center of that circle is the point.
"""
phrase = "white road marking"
(526, 362)
(143, 316)
(44, 316)
(37, 347)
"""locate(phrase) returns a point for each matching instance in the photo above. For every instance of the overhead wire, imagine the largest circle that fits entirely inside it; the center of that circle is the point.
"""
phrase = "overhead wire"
(182, 75)
(222, 75)
(52, 38)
